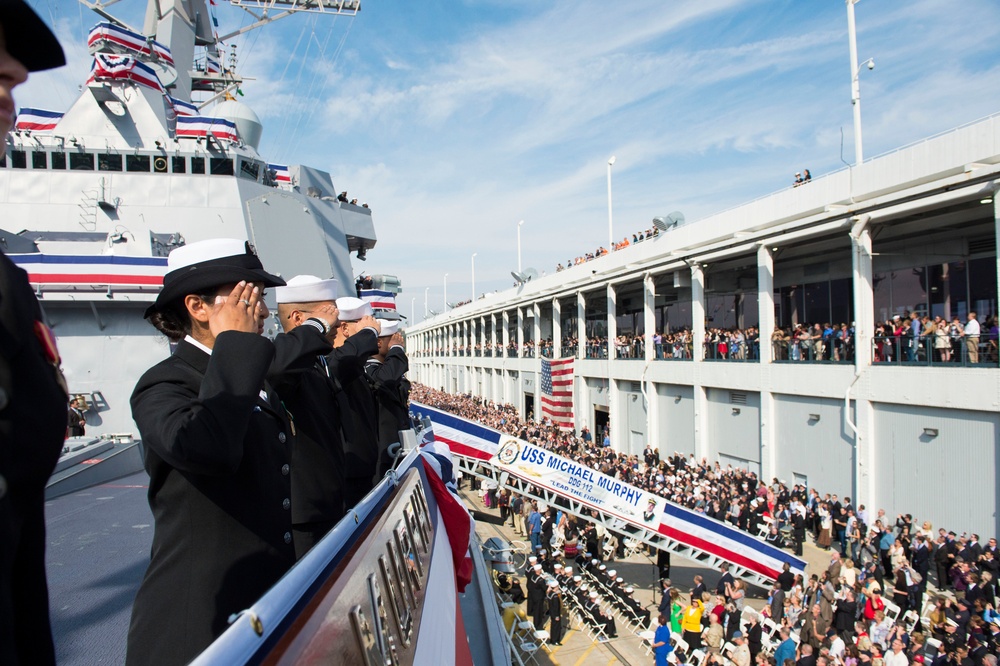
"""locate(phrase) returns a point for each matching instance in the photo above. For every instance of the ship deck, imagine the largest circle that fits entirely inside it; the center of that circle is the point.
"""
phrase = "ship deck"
(98, 542)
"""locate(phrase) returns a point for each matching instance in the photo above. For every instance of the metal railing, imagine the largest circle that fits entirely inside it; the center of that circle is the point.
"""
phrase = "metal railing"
(732, 351)
(930, 351)
(813, 350)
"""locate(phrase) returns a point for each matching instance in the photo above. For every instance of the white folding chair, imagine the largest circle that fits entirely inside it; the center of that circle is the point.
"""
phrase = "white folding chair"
(647, 641)
(891, 610)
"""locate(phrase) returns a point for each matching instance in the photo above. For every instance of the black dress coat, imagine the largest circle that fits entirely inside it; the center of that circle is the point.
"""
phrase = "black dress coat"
(218, 457)
(391, 390)
(33, 405)
(357, 412)
(300, 377)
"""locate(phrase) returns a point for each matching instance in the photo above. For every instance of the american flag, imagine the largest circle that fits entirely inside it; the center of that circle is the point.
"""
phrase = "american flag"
(557, 391)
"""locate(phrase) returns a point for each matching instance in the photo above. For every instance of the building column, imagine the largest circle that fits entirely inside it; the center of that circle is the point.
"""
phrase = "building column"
(649, 324)
(482, 335)
(765, 314)
(616, 431)
(537, 312)
(702, 445)
(520, 331)
(864, 327)
(581, 326)
(649, 315)
(697, 313)
(556, 328)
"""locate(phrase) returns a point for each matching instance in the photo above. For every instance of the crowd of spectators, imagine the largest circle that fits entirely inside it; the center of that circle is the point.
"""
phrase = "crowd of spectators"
(856, 611)
(637, 237)
(912, 338)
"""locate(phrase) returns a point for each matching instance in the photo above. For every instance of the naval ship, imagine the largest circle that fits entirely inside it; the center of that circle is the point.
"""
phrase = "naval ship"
(157, 152)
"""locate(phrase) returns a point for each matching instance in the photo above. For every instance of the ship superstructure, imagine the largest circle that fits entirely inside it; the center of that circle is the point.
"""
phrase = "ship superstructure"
(155, 152)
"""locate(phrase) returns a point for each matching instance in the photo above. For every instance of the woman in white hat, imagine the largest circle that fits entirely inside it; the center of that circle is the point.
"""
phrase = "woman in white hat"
(218, 446)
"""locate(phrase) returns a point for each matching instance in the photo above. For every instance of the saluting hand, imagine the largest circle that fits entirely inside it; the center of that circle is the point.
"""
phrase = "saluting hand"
(397, 339)
(242, 311)
(369, 321)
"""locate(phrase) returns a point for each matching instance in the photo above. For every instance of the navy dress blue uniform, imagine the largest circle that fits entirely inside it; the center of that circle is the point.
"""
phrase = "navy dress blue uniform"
(391, 390)
(32, 398)
(218, 448)
(357, 410)
(32, 430)
(299, 374)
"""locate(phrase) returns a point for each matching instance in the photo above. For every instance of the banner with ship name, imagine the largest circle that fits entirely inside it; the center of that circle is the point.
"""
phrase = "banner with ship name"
(37, 120)
(540, 467)
(463, 437)
(104, 35)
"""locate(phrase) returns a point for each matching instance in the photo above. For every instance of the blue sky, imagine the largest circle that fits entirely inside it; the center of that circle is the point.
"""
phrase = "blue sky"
(454, 120)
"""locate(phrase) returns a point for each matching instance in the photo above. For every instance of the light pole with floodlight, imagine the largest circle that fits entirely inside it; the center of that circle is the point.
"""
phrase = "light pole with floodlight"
(519, 245)
(426, 291)
(855, 80)
(413, 314)
(445, 293)
(611, 234)
(474, 275)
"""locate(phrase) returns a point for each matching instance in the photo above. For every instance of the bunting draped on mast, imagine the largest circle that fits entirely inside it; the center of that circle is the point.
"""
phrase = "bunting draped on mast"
(195, 126)
(108, 66)
(104, 35)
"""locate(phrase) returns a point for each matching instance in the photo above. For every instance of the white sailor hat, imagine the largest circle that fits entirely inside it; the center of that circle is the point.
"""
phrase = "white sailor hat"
(603, 567)
(593, 594)
(629, 590)
(557, 566)
(353, 309)
(594, 561)
(568, 570)
(307, 289)
(538, 567)
(388, 327)
(532, 559)
(542, 552)
(552, 583)
(612, 573)
(584, 587)
(576, 579)
(197, 267)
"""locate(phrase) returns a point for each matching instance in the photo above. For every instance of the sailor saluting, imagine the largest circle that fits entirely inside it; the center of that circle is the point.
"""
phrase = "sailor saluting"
(32, 390)
(218, 444)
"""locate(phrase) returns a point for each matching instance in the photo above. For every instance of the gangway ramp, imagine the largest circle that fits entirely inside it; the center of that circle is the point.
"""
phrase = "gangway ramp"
(548, 478)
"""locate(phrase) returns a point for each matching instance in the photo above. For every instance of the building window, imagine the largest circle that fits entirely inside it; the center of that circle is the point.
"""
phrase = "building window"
(18, 159)
(58, 160)
(197, 165)
(39, 160)
(250, 170)
(178, 164)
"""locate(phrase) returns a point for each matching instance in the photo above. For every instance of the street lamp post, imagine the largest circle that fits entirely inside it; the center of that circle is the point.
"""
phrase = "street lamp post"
(426, 290)
(852, 38)
(445, 293)
(611, 234)
(413, 305)
(519, 245)
(474, 275)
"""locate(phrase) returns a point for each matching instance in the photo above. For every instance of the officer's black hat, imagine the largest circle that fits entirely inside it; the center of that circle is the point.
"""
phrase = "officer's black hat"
(199, 266)
(28, 38)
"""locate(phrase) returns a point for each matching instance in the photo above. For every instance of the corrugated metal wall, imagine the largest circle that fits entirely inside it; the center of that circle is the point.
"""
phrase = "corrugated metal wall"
(632, 406)
(675, 411)
(818, 449)
(912, 466)
(735, 435)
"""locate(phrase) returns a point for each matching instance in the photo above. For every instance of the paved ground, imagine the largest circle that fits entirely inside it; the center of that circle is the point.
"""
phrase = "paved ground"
(640, 571)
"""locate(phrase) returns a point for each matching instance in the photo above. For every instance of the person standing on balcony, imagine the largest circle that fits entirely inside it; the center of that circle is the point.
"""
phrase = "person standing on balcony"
(972, 338)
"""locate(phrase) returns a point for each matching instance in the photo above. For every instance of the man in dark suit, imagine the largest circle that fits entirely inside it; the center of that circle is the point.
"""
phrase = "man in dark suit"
(386, 372)
(727, 579)
(32, 391)
(922, 560)
(76, 423)
(699, 587)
